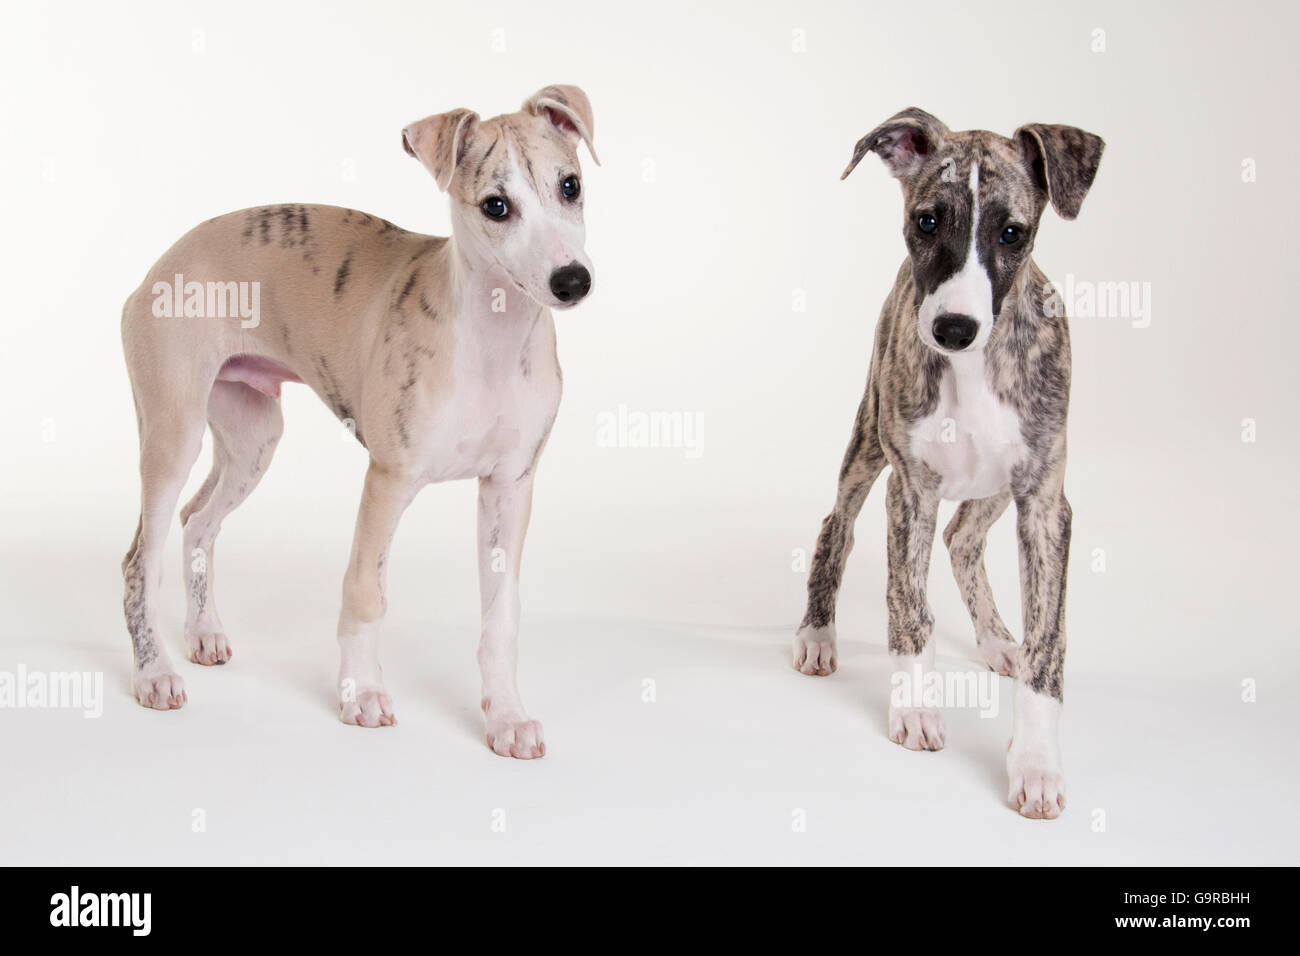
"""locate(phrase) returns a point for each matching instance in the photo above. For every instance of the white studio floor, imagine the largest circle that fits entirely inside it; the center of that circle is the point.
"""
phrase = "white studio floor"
(1165, 763)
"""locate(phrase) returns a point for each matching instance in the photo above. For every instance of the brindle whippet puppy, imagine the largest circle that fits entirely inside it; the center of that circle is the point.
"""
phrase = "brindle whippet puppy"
(966, 400)
(439, 353)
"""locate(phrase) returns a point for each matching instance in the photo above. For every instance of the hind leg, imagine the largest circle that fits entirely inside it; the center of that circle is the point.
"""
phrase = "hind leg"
(965, 537)
(169, 444)
(246, 427)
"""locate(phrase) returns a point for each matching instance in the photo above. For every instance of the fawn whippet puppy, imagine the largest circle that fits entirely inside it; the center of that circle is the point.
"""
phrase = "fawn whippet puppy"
(966, 400)
(439, 353)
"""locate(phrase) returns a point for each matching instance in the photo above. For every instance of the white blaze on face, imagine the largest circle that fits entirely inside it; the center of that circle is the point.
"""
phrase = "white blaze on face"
(968, 291)
(539, 239)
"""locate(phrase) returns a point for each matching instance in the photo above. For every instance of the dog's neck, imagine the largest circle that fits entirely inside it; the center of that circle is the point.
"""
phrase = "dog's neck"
(483, 295)
(969, 374)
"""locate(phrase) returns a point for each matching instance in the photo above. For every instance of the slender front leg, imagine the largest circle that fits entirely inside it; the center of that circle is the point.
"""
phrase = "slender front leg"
(913, 507)
(362, 698)
(1037, 784)
(815, 653)
(503, 509)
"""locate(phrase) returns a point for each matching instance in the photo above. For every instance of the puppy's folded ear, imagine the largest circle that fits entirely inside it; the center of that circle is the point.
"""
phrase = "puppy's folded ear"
(568, 108)
(904, 141)
(439, 142)
(1064, 162)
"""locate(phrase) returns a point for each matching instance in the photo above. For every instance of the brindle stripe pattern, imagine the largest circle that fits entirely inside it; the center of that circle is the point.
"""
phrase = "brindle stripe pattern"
(1027, 363)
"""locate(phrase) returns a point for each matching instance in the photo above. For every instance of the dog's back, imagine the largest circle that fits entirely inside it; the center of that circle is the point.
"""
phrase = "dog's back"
(275, 293)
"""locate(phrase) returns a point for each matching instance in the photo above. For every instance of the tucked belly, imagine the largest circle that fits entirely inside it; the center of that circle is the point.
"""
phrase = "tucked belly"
(257, 372)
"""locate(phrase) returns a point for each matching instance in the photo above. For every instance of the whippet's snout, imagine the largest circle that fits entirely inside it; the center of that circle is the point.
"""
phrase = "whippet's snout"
(570, 283)
(954, 332)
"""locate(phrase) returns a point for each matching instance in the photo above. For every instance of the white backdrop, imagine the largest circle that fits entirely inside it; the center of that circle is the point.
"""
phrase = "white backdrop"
(737, 283)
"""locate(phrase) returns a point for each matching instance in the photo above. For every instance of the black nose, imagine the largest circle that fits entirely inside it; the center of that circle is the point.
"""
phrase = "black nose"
(954, 332)
(570, 283)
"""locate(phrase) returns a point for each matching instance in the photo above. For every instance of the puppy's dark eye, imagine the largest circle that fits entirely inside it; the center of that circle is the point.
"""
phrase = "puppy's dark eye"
(570, 187)
(927, 224)
(1010, 236)
(494, 207)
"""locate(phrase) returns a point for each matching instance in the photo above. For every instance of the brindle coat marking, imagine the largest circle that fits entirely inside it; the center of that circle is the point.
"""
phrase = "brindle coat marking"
(438, 353)
(974, 185)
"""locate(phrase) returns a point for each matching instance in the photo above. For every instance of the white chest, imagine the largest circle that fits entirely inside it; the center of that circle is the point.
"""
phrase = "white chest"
(972, 439)
(496, 413)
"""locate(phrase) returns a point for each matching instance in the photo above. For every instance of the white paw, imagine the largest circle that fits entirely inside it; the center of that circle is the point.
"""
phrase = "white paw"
(1037, 785)
(917, 728)
(367, 707)
(516, 738)
(209, 649)
(999, 653)
(1034, 756)
(164, 691)
(814, 651)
